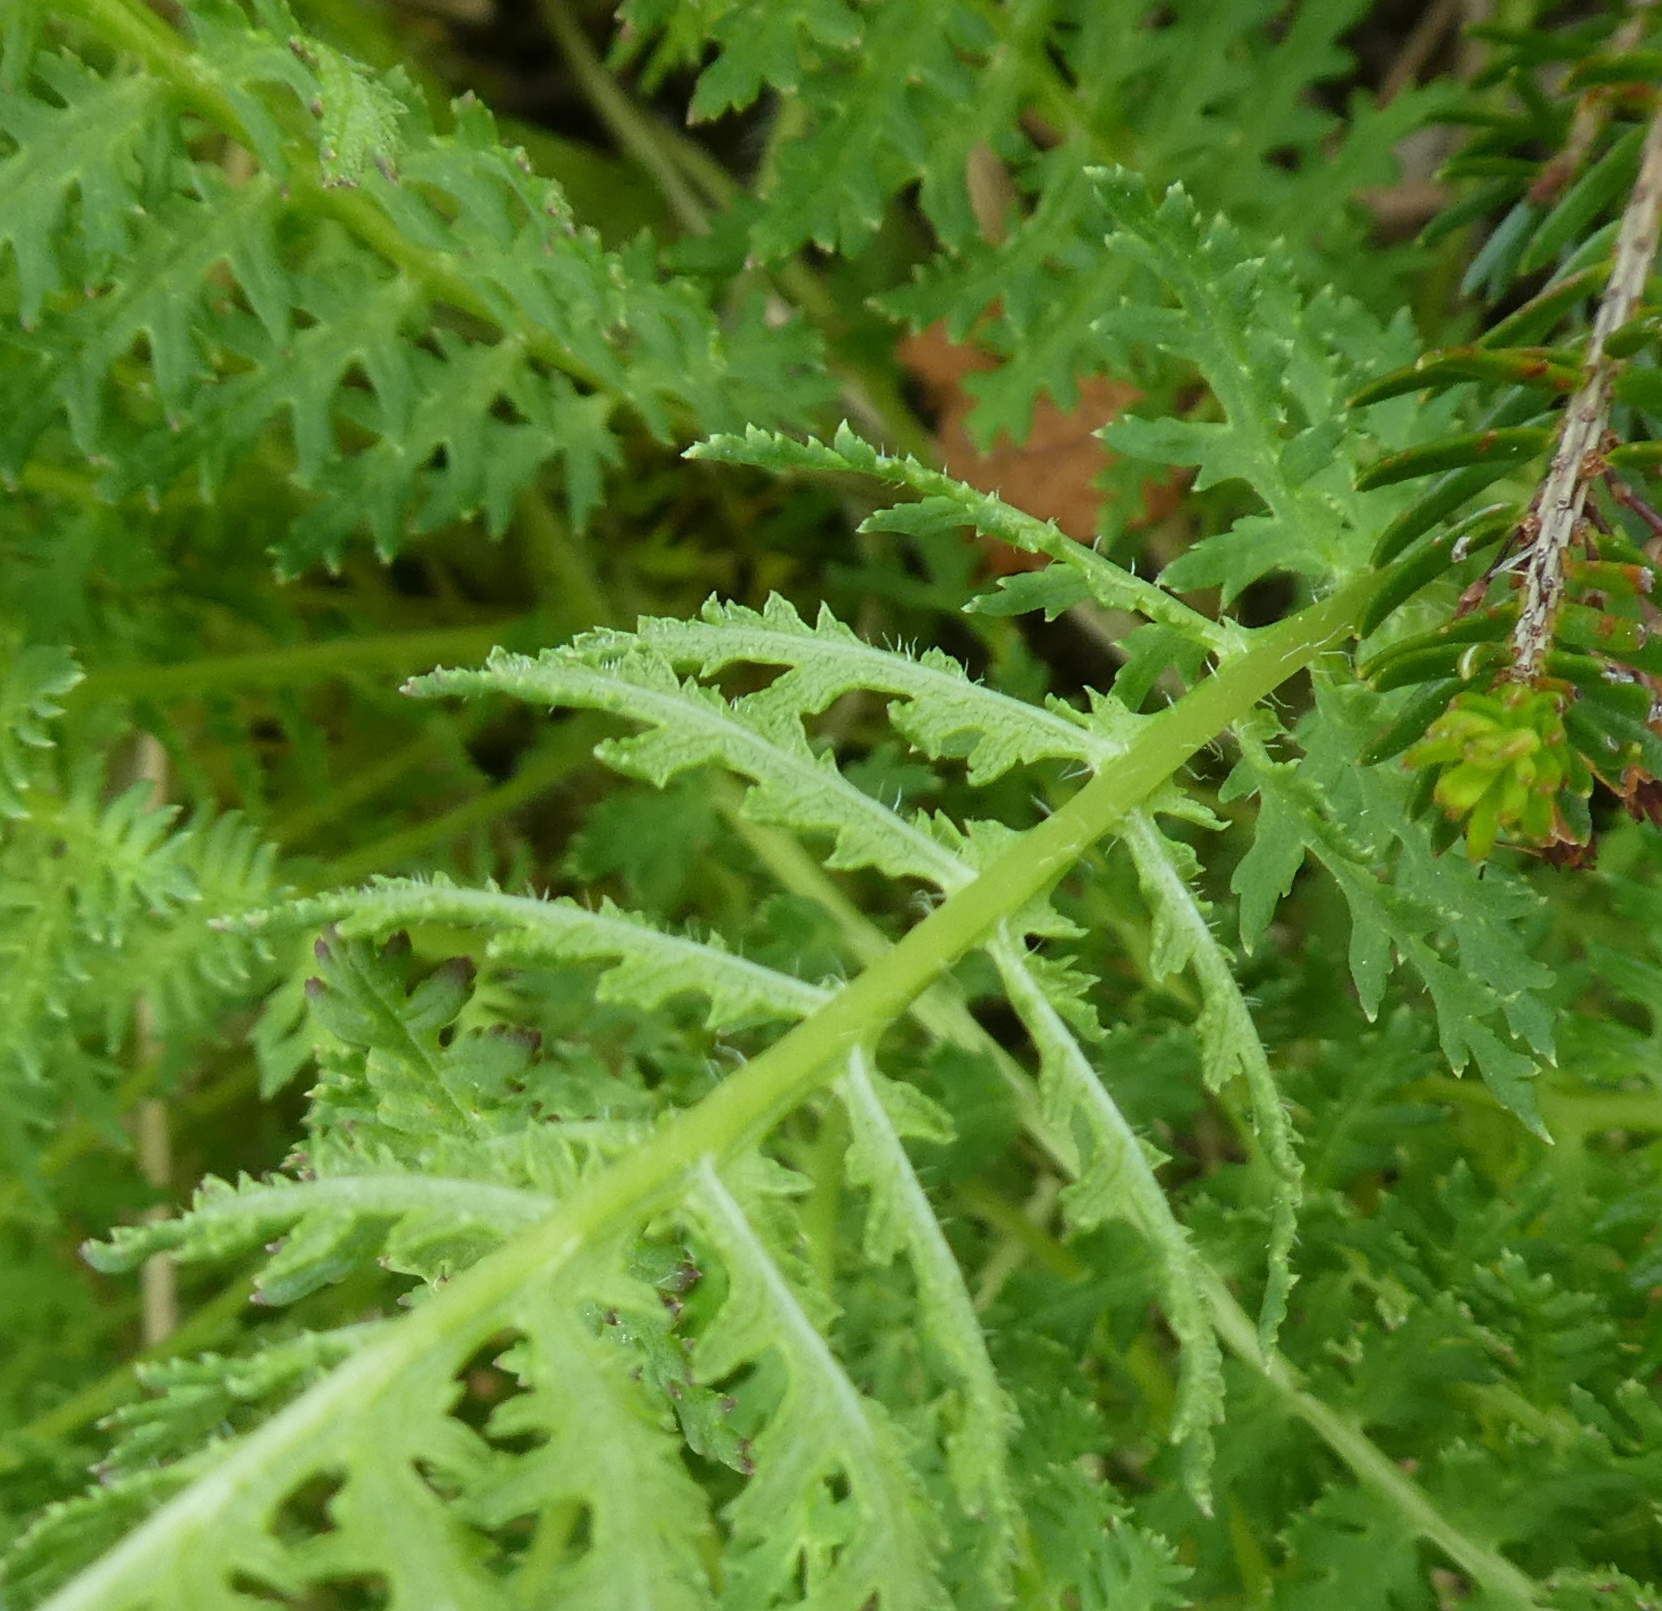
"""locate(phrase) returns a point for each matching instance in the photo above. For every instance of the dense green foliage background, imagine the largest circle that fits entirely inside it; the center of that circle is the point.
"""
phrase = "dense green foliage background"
(1191, 1178)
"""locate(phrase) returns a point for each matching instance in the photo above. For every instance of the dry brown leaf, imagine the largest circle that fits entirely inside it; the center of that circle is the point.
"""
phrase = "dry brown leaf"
(1052, 474)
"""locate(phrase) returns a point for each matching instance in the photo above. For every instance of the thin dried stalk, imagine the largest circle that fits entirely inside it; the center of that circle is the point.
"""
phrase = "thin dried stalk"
(1575, 459)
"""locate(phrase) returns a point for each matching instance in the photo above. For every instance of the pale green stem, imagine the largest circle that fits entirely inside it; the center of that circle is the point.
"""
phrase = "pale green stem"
(387, 653)
(1496, 1575)
(939, 1009)
(629, 126)
(212, 1321)
(820, 1214)
(83, 1136)
(731, 1117)
(1580, 1113)
(1023, 1233)
(569, 584)
(563, 753)
(364, 784)
(1569, 1115)
(945, 1016)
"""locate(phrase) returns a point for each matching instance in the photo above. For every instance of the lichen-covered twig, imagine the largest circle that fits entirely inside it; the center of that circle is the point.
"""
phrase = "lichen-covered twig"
(1575, 459)
(1592, 113)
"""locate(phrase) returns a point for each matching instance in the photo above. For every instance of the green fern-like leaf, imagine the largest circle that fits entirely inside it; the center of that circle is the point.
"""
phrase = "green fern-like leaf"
(936, 708)
(947, 504)
(338, 267)
(900, 1218)
(30, 695)
(647, 966)
(1487, 1003)
(691, 725)
(787, 1529)
(1113, 1178)
(1277, 370)
(78, 143)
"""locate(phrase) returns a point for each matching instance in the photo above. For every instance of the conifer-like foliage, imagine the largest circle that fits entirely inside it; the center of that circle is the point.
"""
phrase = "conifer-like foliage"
(627, 984)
